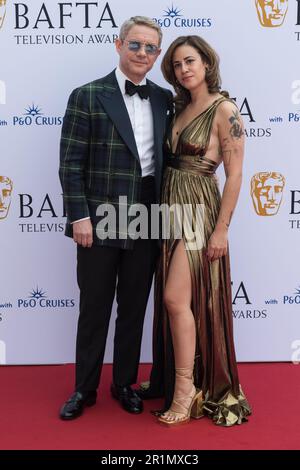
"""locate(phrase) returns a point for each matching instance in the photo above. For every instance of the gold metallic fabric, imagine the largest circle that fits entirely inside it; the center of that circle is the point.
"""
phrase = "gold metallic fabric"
(190, 179)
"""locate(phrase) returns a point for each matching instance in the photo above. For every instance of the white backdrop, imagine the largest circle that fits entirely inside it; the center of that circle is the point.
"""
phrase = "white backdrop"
(47, 49)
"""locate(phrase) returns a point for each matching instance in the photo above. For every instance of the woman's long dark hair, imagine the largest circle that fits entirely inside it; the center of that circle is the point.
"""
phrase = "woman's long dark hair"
(209, 57)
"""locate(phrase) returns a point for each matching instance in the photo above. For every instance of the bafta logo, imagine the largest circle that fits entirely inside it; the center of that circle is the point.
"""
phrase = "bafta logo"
(266, 192)
(2, 12)
(6, 187)
(271, 13)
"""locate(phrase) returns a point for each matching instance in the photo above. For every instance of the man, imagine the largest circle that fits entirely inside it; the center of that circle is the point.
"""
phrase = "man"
(111, 146)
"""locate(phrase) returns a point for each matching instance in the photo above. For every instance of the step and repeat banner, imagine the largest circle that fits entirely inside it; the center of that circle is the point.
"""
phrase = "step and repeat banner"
(48, 48)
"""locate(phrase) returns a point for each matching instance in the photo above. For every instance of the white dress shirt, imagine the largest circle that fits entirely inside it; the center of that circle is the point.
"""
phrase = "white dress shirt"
(141, 118)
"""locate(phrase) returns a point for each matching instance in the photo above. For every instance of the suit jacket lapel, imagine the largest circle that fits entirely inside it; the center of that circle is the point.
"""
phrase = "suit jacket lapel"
(112, 100)
(158, 119)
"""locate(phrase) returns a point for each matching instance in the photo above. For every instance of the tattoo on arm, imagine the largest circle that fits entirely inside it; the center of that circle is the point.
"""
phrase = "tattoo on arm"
(236, 130)
(227, 154)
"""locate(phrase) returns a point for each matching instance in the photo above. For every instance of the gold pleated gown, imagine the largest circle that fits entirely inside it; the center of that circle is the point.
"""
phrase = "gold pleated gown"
(190, 179)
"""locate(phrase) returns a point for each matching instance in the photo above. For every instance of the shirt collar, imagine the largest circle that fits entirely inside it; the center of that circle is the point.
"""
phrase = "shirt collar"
(121, 78)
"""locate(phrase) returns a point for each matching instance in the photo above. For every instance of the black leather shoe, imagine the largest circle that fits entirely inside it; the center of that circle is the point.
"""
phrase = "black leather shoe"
(128, 398)
(73, 408)
(148, 394)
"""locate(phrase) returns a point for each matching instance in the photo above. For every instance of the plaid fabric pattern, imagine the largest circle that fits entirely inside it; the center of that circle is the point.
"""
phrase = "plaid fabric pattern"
(98, 155)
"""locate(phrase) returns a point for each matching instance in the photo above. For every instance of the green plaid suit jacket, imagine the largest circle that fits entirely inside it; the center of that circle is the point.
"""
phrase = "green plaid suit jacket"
(99, 160)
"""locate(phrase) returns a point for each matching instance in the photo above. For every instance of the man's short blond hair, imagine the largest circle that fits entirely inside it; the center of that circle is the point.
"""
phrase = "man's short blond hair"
(139, 20)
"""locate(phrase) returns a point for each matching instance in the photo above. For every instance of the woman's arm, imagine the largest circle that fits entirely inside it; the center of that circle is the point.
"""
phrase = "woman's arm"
(231, 138)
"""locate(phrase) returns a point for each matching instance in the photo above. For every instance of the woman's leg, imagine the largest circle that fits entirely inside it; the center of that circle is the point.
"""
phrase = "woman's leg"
(177, 299)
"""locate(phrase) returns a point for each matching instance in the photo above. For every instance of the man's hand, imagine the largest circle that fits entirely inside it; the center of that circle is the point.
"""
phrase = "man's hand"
(83, 233)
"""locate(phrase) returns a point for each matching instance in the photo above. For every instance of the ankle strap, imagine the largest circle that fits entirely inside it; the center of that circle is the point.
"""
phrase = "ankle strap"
(186, 372)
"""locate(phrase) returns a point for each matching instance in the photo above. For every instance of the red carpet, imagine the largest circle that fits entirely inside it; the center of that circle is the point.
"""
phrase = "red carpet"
(32, 395)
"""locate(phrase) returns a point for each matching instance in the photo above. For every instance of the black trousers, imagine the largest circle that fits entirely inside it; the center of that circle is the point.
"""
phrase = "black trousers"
(103, 272)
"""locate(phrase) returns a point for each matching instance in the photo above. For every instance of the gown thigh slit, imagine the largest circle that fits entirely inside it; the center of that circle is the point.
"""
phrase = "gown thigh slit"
(190, 180)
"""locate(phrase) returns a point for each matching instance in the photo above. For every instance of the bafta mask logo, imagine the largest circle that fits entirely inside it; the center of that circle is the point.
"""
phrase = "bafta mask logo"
(6, 187)
(266, 192)
(2, 12)
(2, 92)
(271, 13)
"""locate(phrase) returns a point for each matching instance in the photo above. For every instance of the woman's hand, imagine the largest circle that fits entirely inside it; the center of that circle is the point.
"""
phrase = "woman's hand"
(217, 245)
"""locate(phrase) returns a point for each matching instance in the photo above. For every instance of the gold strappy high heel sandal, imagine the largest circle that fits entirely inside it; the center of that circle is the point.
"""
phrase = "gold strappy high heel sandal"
(184, 407)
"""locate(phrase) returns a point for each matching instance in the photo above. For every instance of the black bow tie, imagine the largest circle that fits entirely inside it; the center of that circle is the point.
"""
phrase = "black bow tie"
(141, 90)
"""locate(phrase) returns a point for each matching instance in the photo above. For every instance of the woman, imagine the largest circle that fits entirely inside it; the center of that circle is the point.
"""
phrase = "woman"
(193, 307)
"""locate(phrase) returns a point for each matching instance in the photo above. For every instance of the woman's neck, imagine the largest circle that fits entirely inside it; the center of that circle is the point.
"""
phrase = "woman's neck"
(200, 99)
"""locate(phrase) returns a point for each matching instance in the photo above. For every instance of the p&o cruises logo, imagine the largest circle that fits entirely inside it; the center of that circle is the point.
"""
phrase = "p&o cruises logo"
(34, 116)
(173, 17)
(39, 299)
(292, 299)
(288, 299)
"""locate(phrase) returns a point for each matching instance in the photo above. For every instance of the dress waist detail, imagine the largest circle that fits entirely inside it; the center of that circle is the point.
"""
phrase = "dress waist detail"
(194, 164)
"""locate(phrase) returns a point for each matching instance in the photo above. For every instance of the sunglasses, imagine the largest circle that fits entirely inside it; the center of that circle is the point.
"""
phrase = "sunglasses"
(135, 46)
